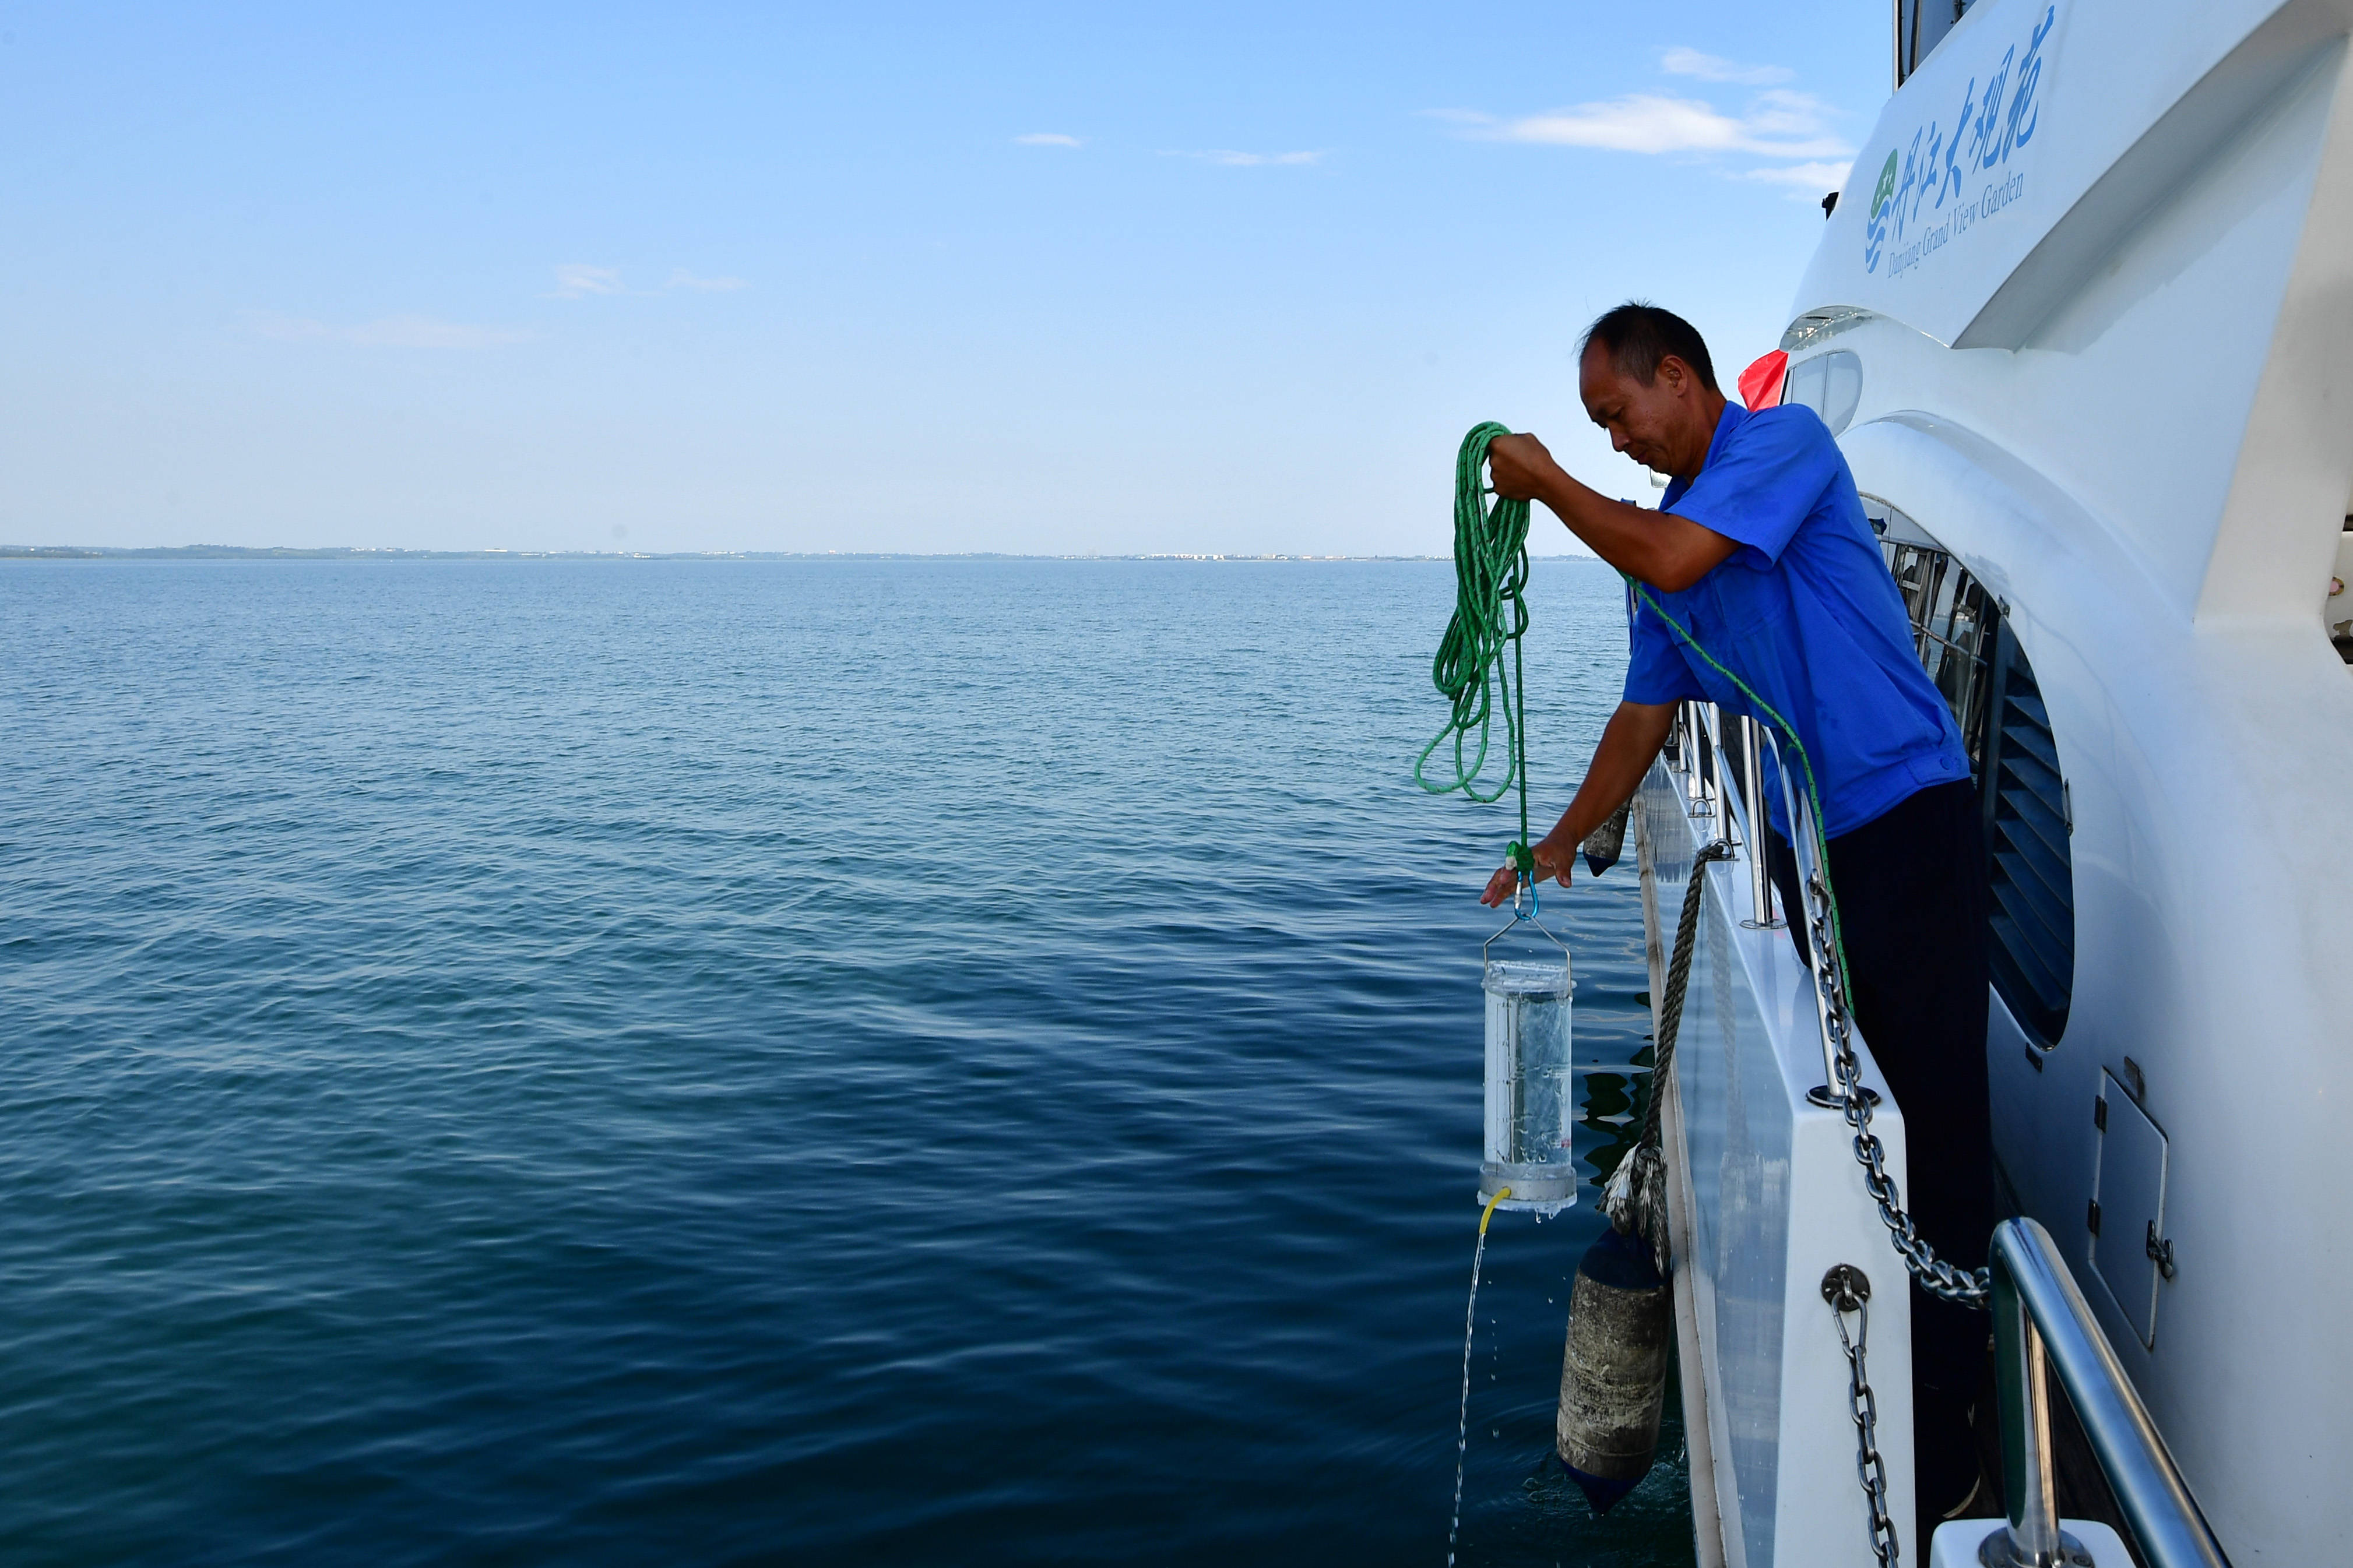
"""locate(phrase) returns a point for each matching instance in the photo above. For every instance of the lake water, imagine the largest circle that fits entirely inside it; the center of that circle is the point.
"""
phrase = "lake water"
(876, 1062)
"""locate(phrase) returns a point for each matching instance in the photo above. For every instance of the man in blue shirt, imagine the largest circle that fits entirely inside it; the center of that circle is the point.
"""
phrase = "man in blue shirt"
(1759, 552)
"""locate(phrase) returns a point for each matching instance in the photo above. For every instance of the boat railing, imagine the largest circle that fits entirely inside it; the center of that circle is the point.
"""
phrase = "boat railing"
(1745, 821)
(2041, 1322)
(1706, 747)
(2040, 1319)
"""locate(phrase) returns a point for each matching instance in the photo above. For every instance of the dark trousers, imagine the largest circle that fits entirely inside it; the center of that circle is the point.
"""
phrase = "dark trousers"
(1912, 901)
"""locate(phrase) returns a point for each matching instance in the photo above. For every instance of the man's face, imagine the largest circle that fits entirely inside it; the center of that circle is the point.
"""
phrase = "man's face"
(1655, 425)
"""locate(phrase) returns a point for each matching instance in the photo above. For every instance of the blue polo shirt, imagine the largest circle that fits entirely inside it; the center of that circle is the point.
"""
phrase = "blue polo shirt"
(1806, 613)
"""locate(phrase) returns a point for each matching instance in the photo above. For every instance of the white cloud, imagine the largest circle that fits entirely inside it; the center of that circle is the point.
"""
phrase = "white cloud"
(682, 278)
(1813, 178)
(1680, 61)
(1776, 125)
(391, 331)
(1249, 160)
(578, 280)
(1778, 112)
(1047, 139)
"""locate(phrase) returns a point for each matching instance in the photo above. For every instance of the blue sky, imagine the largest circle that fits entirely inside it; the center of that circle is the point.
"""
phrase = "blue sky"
(1032, 278)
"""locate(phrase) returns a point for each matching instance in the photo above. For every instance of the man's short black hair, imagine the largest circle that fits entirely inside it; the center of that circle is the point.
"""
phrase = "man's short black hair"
(1639, 334)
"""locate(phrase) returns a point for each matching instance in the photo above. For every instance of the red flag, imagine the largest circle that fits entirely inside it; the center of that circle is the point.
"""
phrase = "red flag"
(1760, 384)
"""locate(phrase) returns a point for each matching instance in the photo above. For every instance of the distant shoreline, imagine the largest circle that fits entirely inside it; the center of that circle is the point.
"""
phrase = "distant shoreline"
(340, 552)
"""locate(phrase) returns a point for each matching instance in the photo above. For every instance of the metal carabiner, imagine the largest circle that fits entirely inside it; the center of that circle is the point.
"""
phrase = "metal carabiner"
(1524, 871)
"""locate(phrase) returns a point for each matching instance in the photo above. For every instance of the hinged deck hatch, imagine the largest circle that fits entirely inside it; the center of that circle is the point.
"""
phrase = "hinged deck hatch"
(2128, 1195)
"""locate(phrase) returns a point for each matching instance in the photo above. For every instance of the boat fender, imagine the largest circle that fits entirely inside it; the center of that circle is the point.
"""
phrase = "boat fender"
(1606, 843)
(1613, 1374)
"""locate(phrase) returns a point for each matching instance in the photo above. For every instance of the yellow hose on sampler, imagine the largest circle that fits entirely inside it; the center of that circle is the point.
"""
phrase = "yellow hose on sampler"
(1500, 1194)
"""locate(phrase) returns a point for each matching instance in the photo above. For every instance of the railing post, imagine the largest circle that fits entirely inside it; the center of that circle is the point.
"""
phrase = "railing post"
(1694, 785)
(2033, 1539)
(1760, 829)
(1711, 748)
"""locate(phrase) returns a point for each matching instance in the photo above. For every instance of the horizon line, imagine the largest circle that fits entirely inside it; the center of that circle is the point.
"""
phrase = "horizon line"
(346, 552)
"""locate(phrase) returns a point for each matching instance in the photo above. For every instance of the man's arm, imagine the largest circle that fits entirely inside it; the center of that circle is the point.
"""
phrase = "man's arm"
(1628, 742)
(1667, 551)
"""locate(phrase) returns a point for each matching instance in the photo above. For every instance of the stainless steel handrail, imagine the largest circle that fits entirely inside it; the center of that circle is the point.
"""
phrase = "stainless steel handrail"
(2041, 1321)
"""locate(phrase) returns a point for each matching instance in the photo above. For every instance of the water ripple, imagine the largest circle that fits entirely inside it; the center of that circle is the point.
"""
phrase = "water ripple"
(870, 1062)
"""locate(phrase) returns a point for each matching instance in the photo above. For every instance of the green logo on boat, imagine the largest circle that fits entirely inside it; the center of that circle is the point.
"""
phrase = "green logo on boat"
(1886, 185)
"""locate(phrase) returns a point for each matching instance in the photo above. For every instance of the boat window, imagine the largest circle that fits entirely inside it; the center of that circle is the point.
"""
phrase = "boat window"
(1952, 628)
(1828, 383)
(2337, 609)
(1972, 655)
(1920, 27)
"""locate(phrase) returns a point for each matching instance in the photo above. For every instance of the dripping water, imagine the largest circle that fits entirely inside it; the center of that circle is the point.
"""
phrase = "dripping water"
(1462, 1423)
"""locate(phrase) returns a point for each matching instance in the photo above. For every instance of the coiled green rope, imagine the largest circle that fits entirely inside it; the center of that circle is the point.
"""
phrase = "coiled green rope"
(1490, 574)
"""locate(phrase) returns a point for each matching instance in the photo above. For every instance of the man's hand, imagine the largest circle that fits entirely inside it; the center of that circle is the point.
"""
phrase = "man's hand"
(1662, 549)
(1521, 468)
(1629, 741)
(1554, 861)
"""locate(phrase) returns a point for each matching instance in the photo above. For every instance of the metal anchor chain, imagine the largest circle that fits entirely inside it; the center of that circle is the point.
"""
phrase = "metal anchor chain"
(1848, 1289)
(1938, 1278)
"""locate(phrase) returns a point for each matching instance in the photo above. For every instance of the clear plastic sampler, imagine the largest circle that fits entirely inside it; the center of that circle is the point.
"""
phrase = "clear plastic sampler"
(1531, 1098)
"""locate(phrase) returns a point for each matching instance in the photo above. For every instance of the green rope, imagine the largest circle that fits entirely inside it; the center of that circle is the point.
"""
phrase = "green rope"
(1490, 574)
(1813, 791)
